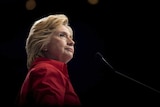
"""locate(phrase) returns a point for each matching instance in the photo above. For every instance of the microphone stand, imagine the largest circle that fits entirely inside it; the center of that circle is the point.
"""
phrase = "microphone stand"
(119, 73)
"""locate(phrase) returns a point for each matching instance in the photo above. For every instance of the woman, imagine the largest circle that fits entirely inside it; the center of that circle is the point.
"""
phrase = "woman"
(49, 48)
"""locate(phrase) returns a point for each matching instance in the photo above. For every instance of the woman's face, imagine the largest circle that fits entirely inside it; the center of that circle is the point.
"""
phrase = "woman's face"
(61, 46)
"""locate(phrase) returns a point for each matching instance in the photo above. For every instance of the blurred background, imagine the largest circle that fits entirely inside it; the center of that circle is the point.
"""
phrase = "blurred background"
(124, 32)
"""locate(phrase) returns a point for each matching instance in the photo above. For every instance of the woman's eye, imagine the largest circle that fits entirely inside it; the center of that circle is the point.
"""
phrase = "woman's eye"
(61, 34)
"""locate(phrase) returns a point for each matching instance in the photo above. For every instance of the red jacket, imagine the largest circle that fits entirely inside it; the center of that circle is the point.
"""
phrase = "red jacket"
(47, 84)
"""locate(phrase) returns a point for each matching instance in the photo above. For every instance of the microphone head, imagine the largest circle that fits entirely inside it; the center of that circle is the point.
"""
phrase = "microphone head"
(104, 60)
(98, 54)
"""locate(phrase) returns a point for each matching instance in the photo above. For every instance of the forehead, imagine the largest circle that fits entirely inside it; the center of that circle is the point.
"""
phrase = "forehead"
(65, 29)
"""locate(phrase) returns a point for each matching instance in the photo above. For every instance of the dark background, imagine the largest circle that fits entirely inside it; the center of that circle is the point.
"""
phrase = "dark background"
(124, 32)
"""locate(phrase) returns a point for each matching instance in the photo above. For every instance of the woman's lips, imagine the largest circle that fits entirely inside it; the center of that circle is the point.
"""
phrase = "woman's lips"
(70, 49)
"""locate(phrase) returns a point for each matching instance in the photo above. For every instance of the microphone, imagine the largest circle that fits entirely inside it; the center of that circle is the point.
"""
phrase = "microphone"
(121, 74)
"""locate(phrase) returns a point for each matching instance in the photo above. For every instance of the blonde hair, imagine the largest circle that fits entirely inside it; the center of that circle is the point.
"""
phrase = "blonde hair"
(40, 33)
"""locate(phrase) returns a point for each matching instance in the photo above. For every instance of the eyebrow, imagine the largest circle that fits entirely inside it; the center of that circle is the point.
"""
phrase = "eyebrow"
(65, 33)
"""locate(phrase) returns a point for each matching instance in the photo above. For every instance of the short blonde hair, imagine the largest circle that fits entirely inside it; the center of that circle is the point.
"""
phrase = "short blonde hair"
(40, 34)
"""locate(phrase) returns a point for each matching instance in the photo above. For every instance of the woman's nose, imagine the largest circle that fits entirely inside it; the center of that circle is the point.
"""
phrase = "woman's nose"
(70, 42)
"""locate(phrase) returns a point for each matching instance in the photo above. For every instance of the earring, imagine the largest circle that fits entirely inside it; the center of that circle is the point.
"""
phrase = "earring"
(45, 49)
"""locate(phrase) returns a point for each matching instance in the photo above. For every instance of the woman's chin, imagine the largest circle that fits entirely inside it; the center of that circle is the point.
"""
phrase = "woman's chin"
(68, 57)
